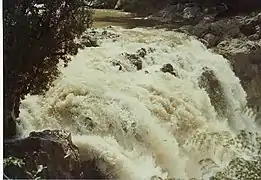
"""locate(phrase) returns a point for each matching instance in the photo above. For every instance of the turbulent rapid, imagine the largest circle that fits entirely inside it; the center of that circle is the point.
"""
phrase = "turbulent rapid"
(140, 123)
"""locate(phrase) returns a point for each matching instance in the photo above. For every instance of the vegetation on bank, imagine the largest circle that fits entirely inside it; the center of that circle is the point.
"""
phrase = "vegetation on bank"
(146, 7)
(37, 35)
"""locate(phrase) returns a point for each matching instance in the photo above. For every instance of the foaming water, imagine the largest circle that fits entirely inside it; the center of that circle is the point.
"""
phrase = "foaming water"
(139, 124)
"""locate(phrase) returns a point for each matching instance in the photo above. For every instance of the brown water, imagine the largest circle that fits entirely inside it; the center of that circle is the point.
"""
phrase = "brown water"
(103, 18)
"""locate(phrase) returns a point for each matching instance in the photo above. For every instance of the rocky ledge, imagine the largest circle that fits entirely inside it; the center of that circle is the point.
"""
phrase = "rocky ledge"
(230, 28)
(233, 33)
(46, 155)
(238, 39)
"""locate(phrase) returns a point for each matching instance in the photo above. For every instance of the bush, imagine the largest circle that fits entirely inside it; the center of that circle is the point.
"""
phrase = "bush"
(37, 34)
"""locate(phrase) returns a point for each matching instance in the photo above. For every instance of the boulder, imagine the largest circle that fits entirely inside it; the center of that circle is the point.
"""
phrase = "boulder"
(49, 154)
(136, 58)
(209, 81)
(245, 57)
(168, 68)
(211, 40)
(117, 64)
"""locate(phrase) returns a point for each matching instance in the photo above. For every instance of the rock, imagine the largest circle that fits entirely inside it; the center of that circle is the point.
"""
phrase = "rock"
(120, 4)
(117, 63)
(254, 37)
(141, 52)
(245, 57)
(191, 12)
(237, 38)
(247, 29)
(89, 171)
(135, 60)
(156, 178)
(212, 86)
(211, 40)
(47, 155)
(168, 68)
(179, 13)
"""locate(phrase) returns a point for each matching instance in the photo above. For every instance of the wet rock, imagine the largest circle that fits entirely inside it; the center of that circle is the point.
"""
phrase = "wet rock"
(180, 12)
(135, 60)
(142, 52)
(191, 12)
(117, 63)
(211, 40)
(212, 86)
(247, 29)
(245, 57)
(237, 38)
(46, 155)
(254, 37)
(90, 171)
(89, 41)
(168, 68)
(214, 32)
(156, 178)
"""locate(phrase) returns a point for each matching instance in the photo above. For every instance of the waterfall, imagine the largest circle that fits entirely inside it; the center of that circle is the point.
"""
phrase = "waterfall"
(140, 123)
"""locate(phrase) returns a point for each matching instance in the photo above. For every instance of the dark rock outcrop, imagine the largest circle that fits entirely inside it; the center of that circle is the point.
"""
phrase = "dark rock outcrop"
(238, 39)
(245, 57)
(209, 81)
(136, 58)
(168, 68)
(47, 155)
(117, 64)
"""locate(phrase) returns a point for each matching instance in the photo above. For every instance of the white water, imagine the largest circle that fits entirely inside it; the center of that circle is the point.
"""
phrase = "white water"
(145, 124)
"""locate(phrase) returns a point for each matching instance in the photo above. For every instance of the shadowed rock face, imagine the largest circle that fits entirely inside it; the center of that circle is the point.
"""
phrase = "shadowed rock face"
(48, 155)
(211, 84)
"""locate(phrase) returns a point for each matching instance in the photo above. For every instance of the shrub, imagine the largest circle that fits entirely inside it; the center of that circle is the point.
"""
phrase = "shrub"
(37, 34)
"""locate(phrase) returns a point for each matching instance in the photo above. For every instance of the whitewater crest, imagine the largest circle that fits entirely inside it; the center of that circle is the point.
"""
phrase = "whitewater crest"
(140, 123)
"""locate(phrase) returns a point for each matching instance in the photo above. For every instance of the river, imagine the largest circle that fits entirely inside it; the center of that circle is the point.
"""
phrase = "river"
(145, 124)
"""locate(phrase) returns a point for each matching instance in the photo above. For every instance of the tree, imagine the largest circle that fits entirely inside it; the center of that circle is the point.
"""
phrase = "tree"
(37, 34)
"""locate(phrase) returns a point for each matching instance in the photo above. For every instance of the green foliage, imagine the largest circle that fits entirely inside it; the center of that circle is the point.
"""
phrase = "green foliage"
(37, 35)
(16, 167)
(13, 161)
